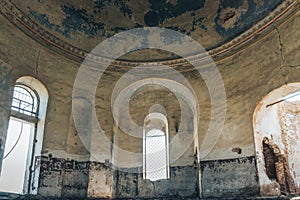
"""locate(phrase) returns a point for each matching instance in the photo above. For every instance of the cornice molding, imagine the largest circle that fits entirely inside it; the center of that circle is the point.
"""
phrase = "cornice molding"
(50, 41)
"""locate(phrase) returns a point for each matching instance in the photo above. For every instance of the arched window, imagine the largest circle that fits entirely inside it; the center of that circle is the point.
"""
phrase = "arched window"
(25, 101)
(24, 138)
(155, 147)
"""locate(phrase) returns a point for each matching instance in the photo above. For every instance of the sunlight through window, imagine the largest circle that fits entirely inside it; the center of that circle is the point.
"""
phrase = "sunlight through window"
(24, 137)
(155, 147)
(293, 97)
(156, 158)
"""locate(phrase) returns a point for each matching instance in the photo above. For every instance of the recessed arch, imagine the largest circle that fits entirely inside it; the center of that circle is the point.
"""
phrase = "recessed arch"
(28, 114)
(185, 97)
(156, 147)
(275, 153)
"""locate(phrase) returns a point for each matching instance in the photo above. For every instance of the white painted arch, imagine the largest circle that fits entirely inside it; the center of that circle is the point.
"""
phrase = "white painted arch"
(43, 95)
(266, 124)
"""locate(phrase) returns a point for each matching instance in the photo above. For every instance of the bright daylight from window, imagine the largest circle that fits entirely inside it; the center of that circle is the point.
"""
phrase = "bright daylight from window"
(19, 135)
(156, 155)
(293, 97)
(16, 151)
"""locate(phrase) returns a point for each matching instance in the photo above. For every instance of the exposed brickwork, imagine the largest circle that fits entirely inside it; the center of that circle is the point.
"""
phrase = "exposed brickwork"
(277, 167)
(270, 160)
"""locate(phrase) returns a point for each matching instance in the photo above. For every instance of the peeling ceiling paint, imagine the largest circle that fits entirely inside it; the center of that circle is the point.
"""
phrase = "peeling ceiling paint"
(86, 23)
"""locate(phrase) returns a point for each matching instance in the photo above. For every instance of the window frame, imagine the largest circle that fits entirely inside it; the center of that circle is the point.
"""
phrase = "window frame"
(31, 179)
(34, 117)
(162, 118)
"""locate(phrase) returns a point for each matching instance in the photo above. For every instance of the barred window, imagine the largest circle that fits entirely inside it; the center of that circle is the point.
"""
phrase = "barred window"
(25, 101)
(156, 158)
(24, 138)
(156, 164)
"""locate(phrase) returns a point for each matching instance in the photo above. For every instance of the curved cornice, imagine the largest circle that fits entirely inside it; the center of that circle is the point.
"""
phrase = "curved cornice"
(39, 34)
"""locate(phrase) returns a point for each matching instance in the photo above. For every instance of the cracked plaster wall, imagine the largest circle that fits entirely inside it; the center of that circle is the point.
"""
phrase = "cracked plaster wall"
(248, 76)
(279, 124)
(289, 114)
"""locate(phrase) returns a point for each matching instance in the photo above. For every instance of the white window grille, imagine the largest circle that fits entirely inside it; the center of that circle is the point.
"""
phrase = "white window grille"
(156, 148)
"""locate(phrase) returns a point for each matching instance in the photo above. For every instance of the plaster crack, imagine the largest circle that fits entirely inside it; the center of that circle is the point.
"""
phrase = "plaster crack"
(281, 48)
(37, 63)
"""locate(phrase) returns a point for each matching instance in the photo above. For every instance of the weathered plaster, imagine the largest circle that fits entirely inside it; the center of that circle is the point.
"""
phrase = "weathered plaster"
(5, 102)
(217, 178)
(267, 122)
(248, 75)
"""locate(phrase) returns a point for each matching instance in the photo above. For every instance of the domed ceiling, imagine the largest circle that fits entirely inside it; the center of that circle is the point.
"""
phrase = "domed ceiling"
(85, 23)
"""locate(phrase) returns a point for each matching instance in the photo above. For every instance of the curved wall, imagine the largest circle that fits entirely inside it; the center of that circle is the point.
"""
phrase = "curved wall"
(229, 169)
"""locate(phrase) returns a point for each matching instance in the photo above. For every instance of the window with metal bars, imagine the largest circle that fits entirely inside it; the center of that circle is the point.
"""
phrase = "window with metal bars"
(24, 139)
(156, 158)
(25, 101)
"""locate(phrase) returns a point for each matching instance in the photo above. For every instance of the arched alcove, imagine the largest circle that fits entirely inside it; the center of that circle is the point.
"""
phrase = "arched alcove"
(156, 147)
(276, 123)
(21, 162)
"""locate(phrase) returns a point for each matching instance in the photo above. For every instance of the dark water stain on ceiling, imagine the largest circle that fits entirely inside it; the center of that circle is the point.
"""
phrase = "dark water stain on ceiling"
(235, 17)
(161, 10)
(86, 23)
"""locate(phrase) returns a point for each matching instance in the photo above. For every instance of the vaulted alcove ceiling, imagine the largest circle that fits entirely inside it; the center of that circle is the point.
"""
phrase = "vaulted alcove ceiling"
(75, 27)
